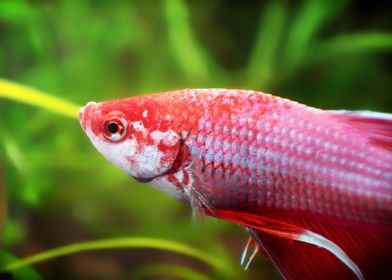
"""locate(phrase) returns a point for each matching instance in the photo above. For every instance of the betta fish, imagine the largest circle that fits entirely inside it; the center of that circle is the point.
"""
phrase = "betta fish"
(312, 187)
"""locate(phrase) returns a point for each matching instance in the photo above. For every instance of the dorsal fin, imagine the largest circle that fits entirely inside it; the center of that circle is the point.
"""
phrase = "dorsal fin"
(378, 126)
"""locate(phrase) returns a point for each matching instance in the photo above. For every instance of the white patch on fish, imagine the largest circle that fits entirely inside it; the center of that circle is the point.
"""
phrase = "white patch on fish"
(145, 113)
(116, 153)
(138, 126)
(179, 176)
(149, 162)
(169, 138)
(163, 184)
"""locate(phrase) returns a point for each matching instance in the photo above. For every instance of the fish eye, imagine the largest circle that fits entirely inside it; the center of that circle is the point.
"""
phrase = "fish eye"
(112, 127)
(115, 128)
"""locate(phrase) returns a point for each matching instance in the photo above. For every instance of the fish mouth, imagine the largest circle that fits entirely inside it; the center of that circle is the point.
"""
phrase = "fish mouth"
(149, 179)
(146, 180)
(85, 114)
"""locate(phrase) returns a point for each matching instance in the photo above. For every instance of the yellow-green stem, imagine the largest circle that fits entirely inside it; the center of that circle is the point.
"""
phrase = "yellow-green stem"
(127, 242)
(24, 94)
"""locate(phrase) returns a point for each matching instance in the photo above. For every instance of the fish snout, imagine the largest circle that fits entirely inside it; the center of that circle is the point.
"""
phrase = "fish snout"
(85, 114)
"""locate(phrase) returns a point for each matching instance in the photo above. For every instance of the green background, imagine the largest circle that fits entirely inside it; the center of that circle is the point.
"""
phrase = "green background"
(327, 54)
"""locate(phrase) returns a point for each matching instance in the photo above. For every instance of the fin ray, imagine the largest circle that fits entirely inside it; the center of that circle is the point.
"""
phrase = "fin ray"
(305, 250)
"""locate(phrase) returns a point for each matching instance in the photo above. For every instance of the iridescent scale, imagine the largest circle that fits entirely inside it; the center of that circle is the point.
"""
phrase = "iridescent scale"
(253, 150)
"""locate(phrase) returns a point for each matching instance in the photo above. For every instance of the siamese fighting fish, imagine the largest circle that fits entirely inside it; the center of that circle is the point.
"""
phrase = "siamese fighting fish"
(312, 187)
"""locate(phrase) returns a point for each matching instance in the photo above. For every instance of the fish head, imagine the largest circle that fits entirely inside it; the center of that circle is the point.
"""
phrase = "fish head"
(134, 135)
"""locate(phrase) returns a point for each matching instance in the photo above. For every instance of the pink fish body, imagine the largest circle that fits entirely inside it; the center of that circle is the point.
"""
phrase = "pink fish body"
(312, 187)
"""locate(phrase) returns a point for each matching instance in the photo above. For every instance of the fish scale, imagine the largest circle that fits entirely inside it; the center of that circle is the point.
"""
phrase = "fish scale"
(283, 170)
(273, 130)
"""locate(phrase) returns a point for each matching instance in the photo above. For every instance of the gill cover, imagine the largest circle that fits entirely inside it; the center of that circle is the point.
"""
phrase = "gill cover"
(128, 134)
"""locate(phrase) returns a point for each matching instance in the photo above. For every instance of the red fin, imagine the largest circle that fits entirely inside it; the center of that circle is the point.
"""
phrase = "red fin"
(295, 260)
(370, 251)
(378, 126)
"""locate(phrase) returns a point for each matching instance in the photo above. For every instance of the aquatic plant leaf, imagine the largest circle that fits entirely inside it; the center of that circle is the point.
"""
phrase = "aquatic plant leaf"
(16, 92)
(186, 49)
(311, 17)
(352, 44)
(127, 242)
(262, 61)
(24, 273)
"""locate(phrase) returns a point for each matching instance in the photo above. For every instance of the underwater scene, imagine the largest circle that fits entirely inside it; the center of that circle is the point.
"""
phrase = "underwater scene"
(67, 211)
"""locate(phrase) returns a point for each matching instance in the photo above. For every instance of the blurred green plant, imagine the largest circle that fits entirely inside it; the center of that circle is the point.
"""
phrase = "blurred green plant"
(120, 243)
(24, 273)
(329, 54)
